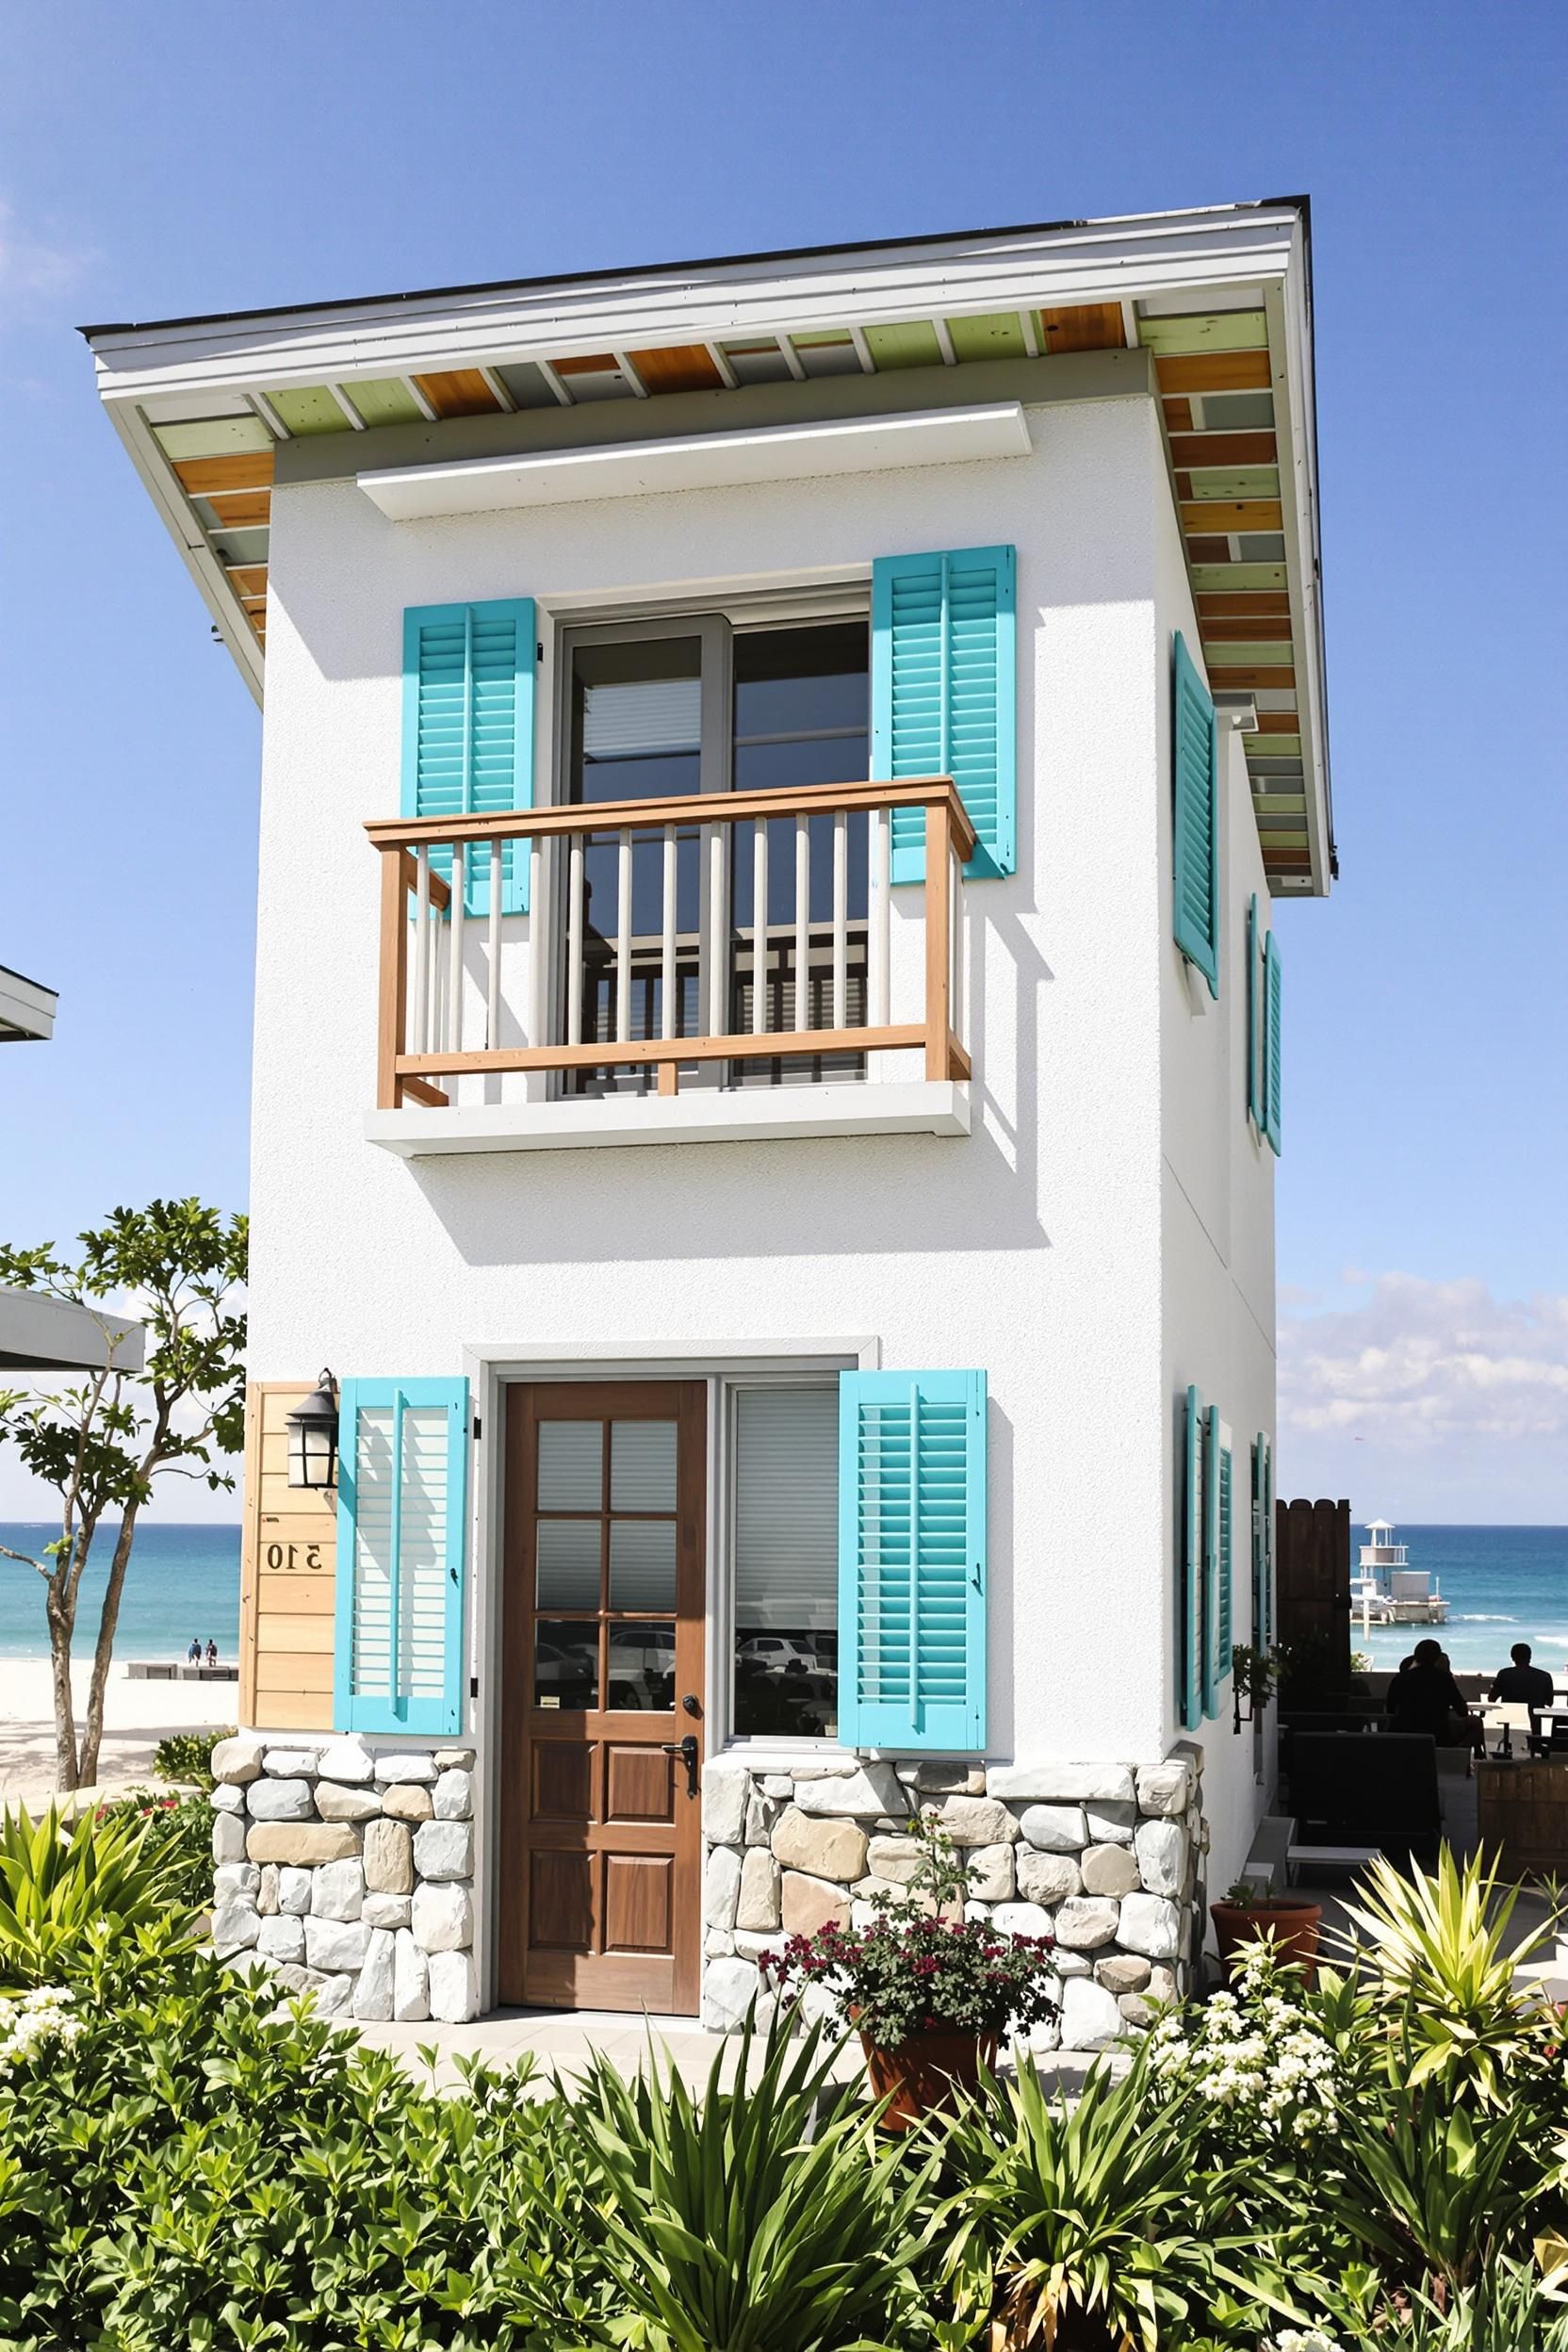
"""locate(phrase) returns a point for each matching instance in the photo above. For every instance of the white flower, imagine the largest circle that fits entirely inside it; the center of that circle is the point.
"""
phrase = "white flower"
(27, 2019)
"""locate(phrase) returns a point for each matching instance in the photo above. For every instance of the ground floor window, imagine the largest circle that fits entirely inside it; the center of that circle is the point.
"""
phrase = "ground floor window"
(785, 1552)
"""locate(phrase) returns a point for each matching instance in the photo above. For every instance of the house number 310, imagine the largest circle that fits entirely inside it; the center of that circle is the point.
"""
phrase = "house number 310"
(287, 1554)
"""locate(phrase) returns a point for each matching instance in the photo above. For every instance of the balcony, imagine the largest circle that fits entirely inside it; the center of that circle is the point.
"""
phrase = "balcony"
(710, 968)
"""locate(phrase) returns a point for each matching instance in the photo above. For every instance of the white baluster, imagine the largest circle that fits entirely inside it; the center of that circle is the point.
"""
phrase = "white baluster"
(667, 982)
(841, 920)
(493, 949)
(803, 924)
(623, 939)
(538, 945)
(421, 950)
(880, 944)
(456, 913)
(758, 927)
(573, 941)
(955, 942)
(717, 840)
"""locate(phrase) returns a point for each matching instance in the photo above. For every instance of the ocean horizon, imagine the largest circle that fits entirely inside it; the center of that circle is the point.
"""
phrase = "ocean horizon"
(1503, 1584)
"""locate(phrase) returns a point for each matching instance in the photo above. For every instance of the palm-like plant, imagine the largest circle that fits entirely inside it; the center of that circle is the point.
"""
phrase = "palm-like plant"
(63, 1887)
(755, 2216)
(1437, 1953)
(1081, 2219)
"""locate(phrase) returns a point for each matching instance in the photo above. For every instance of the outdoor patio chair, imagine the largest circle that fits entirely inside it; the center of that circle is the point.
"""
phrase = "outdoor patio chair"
(1351, 1792)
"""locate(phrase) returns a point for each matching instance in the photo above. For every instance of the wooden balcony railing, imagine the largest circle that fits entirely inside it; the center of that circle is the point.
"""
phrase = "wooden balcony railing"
(670, 969)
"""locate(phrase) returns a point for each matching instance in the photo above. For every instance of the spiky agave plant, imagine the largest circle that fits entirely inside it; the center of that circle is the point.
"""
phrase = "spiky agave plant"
(63, 1887)
(760, 2214)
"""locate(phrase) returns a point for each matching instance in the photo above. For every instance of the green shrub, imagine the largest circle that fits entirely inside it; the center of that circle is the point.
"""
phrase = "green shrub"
(67, 1889)
(178, 1831)
(188, 1755)
(757, 2218)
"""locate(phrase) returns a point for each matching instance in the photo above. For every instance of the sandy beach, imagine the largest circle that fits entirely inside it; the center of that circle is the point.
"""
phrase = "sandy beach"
(136, 1716)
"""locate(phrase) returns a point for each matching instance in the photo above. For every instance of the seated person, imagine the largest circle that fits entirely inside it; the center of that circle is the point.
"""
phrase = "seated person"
(1424, 1697)
(1522, 1684)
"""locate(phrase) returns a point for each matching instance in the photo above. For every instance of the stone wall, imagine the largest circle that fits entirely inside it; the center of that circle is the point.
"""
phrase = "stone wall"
(350, 1872)
(1104, 1857)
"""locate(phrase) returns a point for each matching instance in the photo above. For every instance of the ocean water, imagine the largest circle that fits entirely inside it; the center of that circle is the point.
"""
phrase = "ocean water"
(183, 1580)
(1502, 1585)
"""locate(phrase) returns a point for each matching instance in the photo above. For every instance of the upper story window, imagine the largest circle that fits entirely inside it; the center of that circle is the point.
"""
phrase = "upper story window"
(673, 709)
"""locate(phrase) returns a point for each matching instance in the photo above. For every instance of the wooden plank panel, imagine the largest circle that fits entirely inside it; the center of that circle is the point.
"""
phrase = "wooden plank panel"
(248, 580)
(300, 1671)
(1229, 652)
(243, 509)
(293, 1710)
(677, 367)
(1222, 449)
(295, 1636)
(911, 344)
(1207, 574)
(1233, 514)
(1214, 371)
(460, 392)
(996, 334)
(287, 1595)
(1178, 416)
(1206, 550)
(1210, 331)
(1250, 605)
(1225, 680)
(248, 1577)
(1089, 327)
(1215, 628)
(251, 469)
(1233, 482)
(589, 364)
(1278, 722)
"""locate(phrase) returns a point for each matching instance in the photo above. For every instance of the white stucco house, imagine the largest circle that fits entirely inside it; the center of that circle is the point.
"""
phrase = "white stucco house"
(777, 773)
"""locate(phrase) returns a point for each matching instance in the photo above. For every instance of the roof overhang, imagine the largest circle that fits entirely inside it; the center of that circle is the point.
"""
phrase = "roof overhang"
(1221, 299)
(50, 1335)
(27, 1008)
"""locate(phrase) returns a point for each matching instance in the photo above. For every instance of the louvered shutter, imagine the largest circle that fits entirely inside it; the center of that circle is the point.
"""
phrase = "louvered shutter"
(1224, 1609)
(1271, 1041)
(1259, 1553)
(1209, 1574)
(401, 1554)
(1254, 1021)
(1189, 1629)
(912, 1561)
(468, 728)
(944, 694)
(1196, 762)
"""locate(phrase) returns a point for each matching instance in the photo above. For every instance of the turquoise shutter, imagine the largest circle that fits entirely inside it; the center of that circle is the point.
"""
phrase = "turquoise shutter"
(1254, 1021)
(1224, 1615)
(1208, 1648)
(1260, 1556)
(1196, 760)
(1189, 1629)
(944, 694)
(1271, 1041)
(912, 1559)
(403, 1476)
(468, 728)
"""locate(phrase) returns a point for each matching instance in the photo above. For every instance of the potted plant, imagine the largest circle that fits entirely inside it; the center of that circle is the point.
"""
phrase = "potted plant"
(1249, 1911)
(930, 1991)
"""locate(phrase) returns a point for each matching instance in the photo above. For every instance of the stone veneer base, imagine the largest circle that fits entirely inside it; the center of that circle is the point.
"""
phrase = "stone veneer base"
(1104, 1857)
(349, 1869)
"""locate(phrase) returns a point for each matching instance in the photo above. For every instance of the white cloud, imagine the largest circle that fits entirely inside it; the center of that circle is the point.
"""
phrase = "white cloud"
(1455, 1400)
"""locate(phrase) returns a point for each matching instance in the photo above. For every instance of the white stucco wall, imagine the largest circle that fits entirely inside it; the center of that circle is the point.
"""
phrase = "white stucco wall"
(1033, 1246)
(1216, 1211)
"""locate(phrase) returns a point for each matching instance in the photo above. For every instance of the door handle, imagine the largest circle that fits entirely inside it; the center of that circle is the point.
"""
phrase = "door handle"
(687, 1751)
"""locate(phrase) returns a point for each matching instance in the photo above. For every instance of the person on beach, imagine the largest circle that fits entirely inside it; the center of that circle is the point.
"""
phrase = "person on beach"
(1522, 1684)
(1424, 1697)
(212, 1653)
(193, 1656)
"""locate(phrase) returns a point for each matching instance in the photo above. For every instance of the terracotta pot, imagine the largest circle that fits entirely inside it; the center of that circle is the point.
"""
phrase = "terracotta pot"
(920, 2076)
(1293, 1925)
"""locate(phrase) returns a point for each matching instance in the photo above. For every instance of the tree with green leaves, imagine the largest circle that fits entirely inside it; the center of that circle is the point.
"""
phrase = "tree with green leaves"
(175, 1266)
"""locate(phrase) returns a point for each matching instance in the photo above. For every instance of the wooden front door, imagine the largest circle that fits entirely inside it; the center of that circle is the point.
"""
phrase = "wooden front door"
(603, 1592)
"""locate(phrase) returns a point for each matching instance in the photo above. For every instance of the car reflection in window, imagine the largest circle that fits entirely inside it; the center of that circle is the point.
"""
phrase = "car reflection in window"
(787, 1683)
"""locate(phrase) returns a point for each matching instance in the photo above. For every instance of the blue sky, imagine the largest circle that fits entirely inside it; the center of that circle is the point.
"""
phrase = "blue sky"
(185, 158)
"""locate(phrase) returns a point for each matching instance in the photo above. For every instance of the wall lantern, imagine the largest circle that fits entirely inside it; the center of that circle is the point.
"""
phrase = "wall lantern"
(313, 1436)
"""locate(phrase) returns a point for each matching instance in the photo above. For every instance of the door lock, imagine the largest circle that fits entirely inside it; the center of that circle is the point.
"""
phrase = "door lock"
(687, 1751)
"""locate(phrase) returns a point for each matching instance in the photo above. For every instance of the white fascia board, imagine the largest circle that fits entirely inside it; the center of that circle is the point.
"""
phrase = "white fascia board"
(26, 1006)
(751, 1115)
(1289, 338)
(1110, 261)
(52, 1335)
(701, 460)
(199, 556)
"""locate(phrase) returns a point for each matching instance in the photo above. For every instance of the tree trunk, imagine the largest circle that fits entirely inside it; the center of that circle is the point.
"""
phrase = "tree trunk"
(93, 1730)
(61, 1626)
